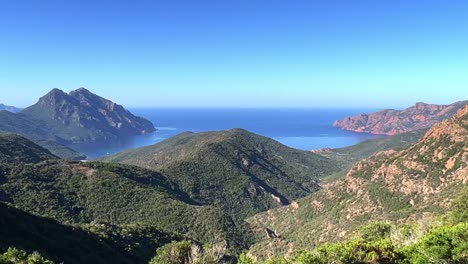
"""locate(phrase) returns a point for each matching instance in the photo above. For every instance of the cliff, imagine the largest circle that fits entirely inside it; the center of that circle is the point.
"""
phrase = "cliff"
(392, 122)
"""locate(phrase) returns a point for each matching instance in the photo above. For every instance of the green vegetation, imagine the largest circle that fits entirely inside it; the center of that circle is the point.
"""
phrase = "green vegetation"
(188, 252)
(21, 149)
(348, 155)
(405, 186)
(79, 243)
(242, 172)
(76, 192)
(59, 150)
(196, 190)
(20, 124)
(374, 244)
(79, 116)
(15, 256)
(15, 148)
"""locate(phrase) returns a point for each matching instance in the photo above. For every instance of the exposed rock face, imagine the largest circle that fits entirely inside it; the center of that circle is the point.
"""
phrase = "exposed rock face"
(82, 116)
(392, 122)
(9, 108)
(394, 185)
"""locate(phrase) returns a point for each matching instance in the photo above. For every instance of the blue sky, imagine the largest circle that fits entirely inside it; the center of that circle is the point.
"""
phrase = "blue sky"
(237, 53)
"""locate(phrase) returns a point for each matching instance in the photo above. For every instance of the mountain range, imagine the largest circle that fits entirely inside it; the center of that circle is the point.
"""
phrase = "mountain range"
(207, 185)
(9, 108)
(392, 122)
(217, 194)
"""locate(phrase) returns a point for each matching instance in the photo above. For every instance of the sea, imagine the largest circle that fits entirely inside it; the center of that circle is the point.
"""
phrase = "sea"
(305, 129)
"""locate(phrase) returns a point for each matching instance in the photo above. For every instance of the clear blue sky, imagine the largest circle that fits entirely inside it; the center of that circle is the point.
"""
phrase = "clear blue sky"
(237, 53)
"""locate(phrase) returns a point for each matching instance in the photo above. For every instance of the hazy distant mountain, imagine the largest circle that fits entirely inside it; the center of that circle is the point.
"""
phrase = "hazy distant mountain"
(239, 170)
(391, 122)
(9, 108)
(395, 185)
(80, 116)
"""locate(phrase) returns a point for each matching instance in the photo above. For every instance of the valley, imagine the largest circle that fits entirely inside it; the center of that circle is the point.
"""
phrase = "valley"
(233, 195)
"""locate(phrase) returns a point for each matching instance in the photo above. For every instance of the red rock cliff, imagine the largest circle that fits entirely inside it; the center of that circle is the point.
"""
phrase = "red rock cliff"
(392, 122)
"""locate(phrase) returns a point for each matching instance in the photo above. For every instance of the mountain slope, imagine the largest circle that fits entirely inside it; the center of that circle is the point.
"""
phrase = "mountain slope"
(82, 116)
(392, 122)
(401, 186)
(15, 148)
(347, 156)
(77, 192)
(20, 124)
(243, 172)
(9, 108)
(77, 244)
(59, 150)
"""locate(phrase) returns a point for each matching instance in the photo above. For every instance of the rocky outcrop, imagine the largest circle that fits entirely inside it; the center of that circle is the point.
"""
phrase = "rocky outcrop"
(407, 185)
(82, 116)
(392, 122)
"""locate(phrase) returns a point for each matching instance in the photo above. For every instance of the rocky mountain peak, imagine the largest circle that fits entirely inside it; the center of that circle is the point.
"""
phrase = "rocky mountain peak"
(53, 94)
(82, 116)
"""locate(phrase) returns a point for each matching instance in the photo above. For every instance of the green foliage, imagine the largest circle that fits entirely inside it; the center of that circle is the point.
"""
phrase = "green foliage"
(15, 256)
(188, 252)
(77, 192)
(84, 243)
(238, 171)
(348, 155)
(15, 148)
(446, 244)
(375, 231)
(235, 169)
(59, 150)
(459, 213)
(245, 259)
(173, 253)
(277, 260)
(358, 251)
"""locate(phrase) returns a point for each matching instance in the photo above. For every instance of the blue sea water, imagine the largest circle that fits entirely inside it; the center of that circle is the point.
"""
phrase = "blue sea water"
(305, 129)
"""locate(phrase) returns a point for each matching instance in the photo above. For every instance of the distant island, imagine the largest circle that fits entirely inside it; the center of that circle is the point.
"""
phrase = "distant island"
(392, 122)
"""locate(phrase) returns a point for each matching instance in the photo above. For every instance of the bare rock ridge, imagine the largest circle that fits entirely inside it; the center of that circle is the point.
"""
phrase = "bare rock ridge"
(392, 122)
(82, 116)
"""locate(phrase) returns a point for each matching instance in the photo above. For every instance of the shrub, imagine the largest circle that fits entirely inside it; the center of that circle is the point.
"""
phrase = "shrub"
(16, 256)
(446, 244)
